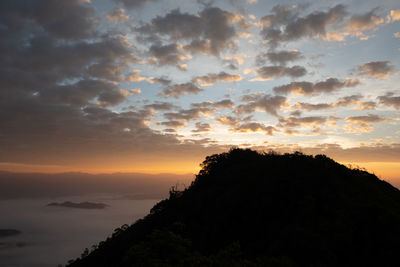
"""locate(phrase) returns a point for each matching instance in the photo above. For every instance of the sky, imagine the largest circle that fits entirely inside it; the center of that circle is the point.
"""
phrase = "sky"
(151, 86)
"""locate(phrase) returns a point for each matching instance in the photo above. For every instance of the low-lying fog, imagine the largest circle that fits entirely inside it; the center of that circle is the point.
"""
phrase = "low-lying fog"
(52, 235)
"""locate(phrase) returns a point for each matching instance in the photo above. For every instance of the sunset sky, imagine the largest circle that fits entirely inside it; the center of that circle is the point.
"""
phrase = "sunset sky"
(151, 86)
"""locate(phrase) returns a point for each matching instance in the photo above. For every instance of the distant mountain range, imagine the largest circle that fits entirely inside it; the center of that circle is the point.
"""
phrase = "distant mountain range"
(264, 209)
(81, 205)
(9, 232)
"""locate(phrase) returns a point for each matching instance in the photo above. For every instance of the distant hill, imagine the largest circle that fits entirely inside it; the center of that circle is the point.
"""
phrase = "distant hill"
(81, 205)
(263, 209)
(9, 232)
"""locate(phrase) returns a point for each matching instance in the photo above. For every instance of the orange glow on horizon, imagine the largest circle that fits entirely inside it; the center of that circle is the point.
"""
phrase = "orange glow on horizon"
(148, 168)
(388, 171)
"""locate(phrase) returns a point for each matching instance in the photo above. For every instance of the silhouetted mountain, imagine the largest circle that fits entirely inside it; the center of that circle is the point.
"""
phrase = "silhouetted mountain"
(81, 205)
(262, 209)
(9, 232)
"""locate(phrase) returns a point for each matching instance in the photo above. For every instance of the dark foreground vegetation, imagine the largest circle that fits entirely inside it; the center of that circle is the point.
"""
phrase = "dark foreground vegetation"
(262, 209)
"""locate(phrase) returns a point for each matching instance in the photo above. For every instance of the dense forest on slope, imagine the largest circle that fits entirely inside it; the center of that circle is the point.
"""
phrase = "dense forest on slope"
(247, 208)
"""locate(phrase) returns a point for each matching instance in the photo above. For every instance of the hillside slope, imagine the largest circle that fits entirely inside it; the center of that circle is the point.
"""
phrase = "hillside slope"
(262, 209)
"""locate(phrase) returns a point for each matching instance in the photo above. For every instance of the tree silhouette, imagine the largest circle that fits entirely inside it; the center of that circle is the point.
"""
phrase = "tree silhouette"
(248, 208)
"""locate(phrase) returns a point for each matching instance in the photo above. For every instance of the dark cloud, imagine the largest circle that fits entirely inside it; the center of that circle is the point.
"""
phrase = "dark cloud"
(82, 92)
(315, 124)
(376, 69)
(176, 90)
(169, 130)
(131, 4)
(360, 124)
(161, 106)
(309, 88)
(58, 76)
(166, 54)
(193, 87)
(285, 24)
(227, 120)
(254, 127)
(188, 114)
(209, 32)
(348, 100)
(292, 122)
(366, 119)
(202, 127)
(341, 102)
(225, 103)
(390, 100)
(61, 19)
(173, 123)
(308, 106)
(268, 103)
(296, 113)
(278, 57)
(270, 72)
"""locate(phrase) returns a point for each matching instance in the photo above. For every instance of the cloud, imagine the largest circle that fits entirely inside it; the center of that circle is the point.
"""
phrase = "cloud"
(212, 78)
(269, 72)
(173, 123)
(70, 20)
(167, 54)
(202, 127)
(314, 123)
(135, 77)
(160, 106)
(284, 24)
(176, 90)
(376, 69)
(348, 100)
(278, 57)
(188, 114)
(197, 110)
(390, 100)
(81, 93)
(233, 62)
(193, 87)
(228, 120)
(394, 15)
(60, 75)
(131, 4)
(267, 103)
(366, 105)
(309, 88)
(254, 127)
(341, 102)
(117, 15)
(209, 32)
(308, 106)
(291, 122)
(225, 103)
(363, 22)
(182, 67)
(362, 124)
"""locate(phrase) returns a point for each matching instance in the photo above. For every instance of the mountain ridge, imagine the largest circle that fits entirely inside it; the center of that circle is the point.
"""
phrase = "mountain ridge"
(247, 208)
